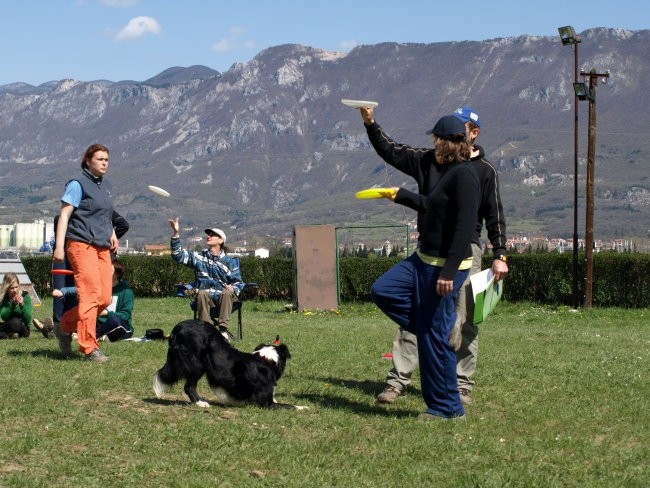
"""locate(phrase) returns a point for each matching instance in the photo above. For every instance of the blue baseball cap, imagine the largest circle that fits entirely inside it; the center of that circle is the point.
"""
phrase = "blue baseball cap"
(468, 114)
(449, 127)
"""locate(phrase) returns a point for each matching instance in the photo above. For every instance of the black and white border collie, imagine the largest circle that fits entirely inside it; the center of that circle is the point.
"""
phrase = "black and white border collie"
(196, 348)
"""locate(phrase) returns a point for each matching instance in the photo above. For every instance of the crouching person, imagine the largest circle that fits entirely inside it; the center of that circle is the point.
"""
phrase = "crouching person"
(15, 309)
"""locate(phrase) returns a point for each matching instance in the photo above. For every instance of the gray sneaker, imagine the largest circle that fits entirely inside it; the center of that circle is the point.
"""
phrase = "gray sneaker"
(97, 356)
(390, 394)
(65, 339)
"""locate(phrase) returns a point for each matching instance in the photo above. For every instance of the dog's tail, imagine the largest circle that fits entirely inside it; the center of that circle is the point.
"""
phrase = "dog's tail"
(159, 386)
(166, 376)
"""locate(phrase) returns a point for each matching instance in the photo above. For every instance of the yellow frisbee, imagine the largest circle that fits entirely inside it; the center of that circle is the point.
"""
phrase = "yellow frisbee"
(374, 193)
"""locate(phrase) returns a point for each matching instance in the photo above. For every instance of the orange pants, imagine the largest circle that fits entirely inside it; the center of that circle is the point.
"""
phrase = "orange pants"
(93, 277)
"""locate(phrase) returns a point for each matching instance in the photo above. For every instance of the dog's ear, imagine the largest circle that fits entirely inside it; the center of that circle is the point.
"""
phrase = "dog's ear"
(283, 351)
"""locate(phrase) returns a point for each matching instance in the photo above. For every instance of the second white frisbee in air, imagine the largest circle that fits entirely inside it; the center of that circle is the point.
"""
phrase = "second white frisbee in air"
(158, 191)
(358, 103)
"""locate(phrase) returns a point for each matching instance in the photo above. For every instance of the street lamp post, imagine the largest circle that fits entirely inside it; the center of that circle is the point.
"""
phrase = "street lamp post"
(570, 38)
(582, 92)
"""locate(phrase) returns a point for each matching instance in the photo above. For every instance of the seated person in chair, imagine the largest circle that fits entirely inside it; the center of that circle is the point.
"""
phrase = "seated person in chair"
(218, 279)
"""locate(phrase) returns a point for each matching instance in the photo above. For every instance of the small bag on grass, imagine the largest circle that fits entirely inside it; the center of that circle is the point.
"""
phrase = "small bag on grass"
(154, 334)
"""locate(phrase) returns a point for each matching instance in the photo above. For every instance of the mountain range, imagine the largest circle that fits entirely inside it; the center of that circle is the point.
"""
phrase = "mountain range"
(268, 145)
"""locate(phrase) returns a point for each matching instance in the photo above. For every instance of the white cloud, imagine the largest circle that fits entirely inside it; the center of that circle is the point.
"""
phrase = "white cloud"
(138, 27)
(348, 45)
(229, 43)
(223, 45)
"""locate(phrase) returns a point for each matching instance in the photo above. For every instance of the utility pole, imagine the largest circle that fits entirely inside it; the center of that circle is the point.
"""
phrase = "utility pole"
(591, 160)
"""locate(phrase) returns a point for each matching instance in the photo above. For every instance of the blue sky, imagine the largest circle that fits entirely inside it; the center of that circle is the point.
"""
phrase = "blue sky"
(45, 40)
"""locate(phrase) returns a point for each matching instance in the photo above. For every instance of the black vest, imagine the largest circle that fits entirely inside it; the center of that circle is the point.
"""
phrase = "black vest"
(91, 222)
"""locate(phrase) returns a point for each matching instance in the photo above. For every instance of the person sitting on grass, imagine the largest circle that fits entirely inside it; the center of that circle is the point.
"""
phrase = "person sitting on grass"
(15, 308)
(115, 322)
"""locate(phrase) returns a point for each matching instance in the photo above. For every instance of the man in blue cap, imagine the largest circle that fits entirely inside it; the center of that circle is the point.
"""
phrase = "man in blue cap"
(397, 283)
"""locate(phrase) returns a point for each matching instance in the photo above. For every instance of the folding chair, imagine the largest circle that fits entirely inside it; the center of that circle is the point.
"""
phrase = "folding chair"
(190, 291)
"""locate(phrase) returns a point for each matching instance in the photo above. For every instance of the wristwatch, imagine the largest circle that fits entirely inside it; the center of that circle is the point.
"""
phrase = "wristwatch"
(503, 258)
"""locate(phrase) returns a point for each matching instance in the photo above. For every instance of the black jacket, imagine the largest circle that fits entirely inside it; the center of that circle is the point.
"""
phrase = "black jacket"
(448, 215)
(421, 164)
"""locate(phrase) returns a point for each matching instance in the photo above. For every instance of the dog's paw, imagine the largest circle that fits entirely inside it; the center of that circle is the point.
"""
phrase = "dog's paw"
(301, 407)
(202, 404)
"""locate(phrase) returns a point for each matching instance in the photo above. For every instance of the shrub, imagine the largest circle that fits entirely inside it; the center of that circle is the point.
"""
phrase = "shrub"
(620, 279)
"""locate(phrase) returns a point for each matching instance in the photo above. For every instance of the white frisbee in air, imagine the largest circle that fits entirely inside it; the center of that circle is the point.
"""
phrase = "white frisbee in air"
(358, 103)
(158, 191)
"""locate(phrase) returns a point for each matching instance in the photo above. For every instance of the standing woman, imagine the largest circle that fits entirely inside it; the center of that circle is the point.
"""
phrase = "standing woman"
(440, 265)
(85, 235)
(15, 308)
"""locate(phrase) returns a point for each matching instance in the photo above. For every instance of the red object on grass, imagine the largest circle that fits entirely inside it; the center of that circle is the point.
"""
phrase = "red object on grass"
(388, 355)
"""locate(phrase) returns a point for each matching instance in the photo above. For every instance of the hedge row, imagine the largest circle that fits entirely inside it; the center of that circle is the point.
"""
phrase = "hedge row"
(619, 279)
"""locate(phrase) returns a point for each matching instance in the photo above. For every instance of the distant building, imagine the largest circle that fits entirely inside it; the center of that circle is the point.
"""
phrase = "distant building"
(6, 234)
(621, 245)
(33, 235)
(517, 244)
(261, 252)
(242, 252)
(558, 244)
(157, 249)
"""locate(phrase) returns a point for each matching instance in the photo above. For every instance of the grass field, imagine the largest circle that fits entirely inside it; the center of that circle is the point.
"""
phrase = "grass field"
(562, 400)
